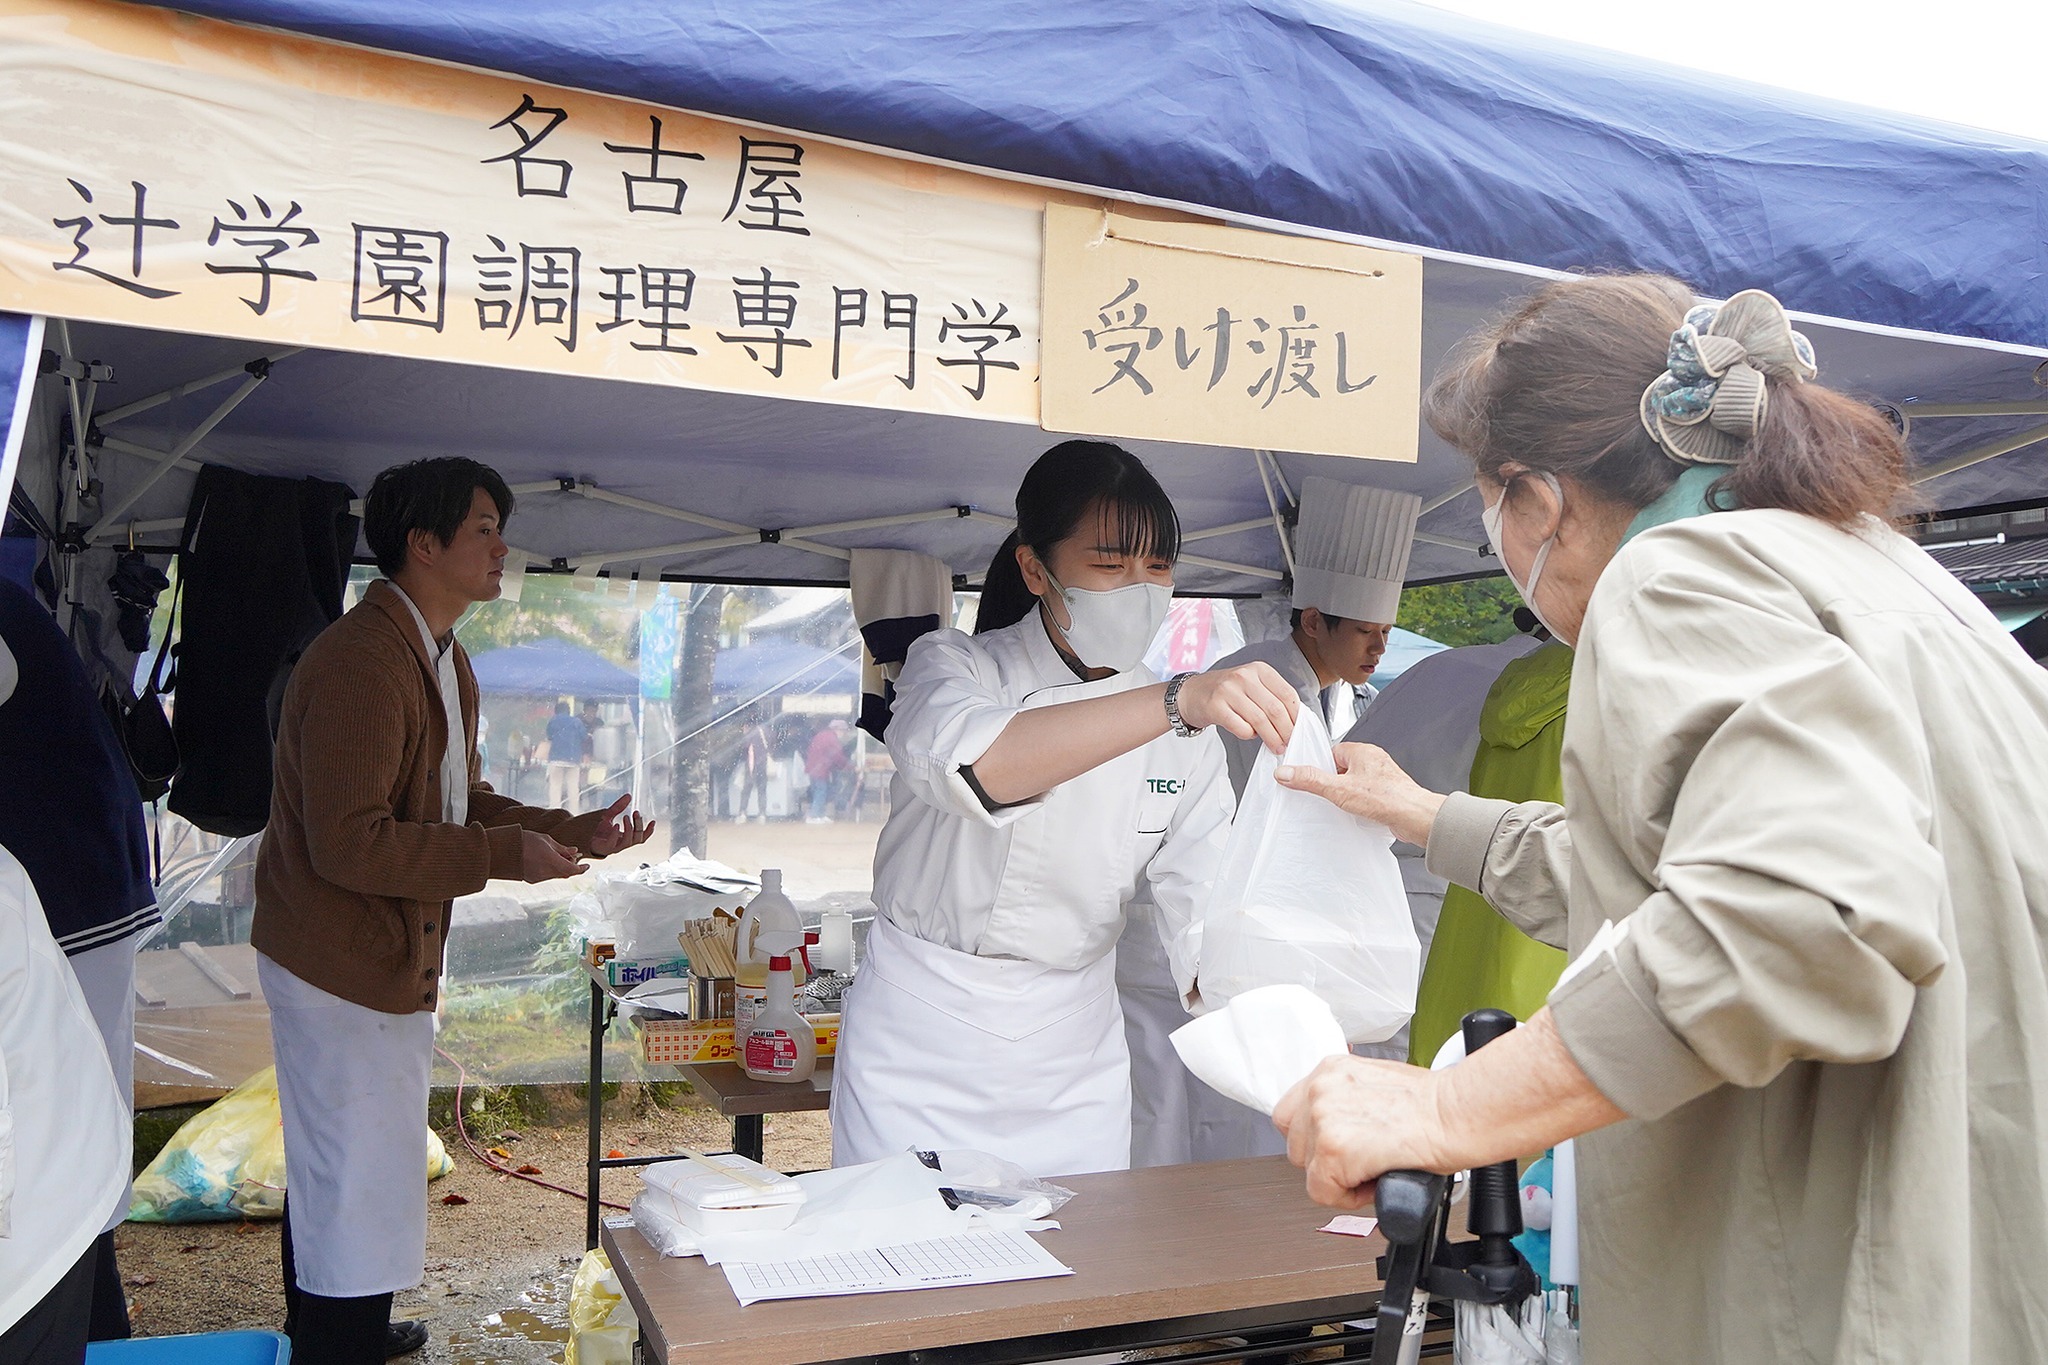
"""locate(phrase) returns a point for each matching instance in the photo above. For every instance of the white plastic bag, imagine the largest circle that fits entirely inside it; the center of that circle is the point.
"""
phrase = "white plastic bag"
(1310, 895)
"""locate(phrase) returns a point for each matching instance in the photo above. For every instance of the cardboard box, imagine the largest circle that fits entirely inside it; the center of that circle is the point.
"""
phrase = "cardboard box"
(684, 1042)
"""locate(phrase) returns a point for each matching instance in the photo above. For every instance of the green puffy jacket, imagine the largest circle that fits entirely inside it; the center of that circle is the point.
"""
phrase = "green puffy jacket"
(1478, 959)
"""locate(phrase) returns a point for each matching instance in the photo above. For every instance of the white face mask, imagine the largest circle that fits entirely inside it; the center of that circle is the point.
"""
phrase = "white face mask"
(1113, 629)
(1490, 518)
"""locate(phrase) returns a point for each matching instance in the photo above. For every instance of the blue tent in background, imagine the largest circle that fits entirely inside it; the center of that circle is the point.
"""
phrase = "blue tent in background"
(773, 666)
(553, 668)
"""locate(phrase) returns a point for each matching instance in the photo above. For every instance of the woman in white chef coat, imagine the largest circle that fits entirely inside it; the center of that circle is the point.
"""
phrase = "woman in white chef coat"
(1042, 776)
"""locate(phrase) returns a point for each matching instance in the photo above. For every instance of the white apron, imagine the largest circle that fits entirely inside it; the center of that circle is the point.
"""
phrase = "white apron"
(942, 1049)
(1175, 1118)
(352, 1084)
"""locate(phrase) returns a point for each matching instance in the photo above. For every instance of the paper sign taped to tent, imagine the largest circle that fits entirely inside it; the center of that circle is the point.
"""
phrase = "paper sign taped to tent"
(169, 172)
(1182, 331)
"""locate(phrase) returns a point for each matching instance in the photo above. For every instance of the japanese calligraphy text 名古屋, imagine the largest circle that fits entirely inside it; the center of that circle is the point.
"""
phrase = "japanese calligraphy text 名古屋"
(261, 241)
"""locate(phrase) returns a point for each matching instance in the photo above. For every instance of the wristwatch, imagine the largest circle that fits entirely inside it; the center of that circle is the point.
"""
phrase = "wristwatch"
(1173, 718)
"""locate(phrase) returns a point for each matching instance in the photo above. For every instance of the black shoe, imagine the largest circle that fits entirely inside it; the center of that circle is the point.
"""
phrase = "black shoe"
(404, 1337)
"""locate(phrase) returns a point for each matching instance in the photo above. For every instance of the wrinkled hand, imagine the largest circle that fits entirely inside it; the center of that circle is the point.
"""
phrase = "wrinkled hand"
(1249, 701)
(1370, 785)
(541, 859)
(1356, 1118)
(617, 833)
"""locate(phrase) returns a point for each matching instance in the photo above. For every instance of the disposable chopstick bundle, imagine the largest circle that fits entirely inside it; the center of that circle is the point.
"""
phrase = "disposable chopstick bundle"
(709, 945)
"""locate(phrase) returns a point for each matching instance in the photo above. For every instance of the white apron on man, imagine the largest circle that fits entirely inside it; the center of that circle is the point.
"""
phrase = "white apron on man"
(357, 1172)
(986, 1013)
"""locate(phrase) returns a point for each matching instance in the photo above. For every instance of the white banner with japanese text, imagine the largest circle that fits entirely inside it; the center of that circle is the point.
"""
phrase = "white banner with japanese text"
(183, 174)
(187, 175)
(1180, 331)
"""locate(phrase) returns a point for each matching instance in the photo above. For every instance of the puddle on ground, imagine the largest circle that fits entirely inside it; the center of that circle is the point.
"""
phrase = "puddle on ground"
(536, 1329)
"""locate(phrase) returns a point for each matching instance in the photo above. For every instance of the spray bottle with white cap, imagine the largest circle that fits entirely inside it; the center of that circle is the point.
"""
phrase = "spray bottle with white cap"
(768, 926)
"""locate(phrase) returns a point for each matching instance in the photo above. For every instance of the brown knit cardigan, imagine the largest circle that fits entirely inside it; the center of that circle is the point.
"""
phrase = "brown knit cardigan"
(357, 867)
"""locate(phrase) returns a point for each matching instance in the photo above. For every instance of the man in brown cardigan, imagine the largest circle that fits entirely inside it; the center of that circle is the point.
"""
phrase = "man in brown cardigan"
(379, 818)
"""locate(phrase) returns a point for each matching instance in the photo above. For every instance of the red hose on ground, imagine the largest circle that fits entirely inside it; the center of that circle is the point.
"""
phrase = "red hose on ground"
(462, 1129)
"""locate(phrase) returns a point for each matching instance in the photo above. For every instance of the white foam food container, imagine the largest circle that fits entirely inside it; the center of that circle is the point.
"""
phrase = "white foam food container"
(705, 1201)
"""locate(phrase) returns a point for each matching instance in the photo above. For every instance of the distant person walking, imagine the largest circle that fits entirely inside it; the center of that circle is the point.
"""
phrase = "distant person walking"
(756, 753)
(825, 760)
(568, 739)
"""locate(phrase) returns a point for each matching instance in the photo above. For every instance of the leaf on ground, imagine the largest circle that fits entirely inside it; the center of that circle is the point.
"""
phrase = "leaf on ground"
(455, 1199)
(528, 1169)
(501, 1154)
(614, 1154)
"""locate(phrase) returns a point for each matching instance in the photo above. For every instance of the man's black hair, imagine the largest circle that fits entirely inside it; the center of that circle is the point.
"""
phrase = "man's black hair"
(426, 495)
(1295, 622)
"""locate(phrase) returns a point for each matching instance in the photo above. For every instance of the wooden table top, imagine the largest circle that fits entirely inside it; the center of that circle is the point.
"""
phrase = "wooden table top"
(1169, 1242)
(737, 1093)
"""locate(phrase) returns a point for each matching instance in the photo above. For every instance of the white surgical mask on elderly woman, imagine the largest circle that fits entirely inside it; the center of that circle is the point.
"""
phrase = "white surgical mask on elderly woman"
(1113, 629)
(1490, 518)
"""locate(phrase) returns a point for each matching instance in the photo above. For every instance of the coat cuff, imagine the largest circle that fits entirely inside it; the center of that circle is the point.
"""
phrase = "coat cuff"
(508, 850)
(1606, 1013)
(1461, 835)
(962, 789)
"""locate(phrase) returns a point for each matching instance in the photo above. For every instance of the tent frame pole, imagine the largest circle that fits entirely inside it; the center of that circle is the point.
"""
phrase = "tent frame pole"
(107, 527)
(1991, 450)
(141, 405)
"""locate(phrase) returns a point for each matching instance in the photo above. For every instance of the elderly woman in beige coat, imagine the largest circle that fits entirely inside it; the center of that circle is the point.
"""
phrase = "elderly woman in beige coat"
(1801, 866)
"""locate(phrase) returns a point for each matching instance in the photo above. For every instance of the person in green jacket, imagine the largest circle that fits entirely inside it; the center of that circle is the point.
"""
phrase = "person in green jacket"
(1478, 959)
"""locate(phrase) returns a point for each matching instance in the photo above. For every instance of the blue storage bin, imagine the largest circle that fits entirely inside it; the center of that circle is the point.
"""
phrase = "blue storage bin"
(199, 1348)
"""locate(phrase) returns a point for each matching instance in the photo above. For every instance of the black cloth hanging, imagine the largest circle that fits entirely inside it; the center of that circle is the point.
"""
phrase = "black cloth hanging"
(264, 563)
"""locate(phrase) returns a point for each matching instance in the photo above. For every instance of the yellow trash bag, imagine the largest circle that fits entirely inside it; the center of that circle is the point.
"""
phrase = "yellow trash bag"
(227, 1161)
(602, 1327)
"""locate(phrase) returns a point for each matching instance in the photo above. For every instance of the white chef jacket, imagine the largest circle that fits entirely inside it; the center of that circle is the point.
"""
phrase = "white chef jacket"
(1045, 880)
(65, 1132)
(1338, 705)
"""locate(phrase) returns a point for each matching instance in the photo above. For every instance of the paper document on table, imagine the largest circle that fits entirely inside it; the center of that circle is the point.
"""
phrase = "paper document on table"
(991, 1257)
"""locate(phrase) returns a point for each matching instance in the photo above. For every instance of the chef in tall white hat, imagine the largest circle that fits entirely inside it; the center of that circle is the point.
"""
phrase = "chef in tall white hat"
(1350, 555)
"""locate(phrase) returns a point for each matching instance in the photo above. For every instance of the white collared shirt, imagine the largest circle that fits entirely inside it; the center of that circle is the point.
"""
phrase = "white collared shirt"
(455, 758)
(1046, 880)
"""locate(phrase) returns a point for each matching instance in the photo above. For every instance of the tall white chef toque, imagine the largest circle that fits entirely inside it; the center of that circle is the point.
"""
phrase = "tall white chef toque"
(1351, 549)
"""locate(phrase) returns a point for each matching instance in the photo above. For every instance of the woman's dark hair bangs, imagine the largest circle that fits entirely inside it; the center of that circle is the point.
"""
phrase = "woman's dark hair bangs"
(1142, 519)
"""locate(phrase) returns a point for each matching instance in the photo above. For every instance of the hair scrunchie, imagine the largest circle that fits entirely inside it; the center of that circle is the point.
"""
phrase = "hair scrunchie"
(1711, 398)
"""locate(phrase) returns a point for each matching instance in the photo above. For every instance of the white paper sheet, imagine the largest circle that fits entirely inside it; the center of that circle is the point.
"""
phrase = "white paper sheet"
(989, 1257)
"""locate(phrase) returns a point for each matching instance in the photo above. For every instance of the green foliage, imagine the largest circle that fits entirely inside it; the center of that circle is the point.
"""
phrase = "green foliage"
(552, 607)
(1479, 611)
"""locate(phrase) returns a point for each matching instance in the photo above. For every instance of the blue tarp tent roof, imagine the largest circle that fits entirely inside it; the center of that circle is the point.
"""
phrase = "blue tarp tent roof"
(1382, 119)
(774, 667)
(1501, 157)
(553, 668)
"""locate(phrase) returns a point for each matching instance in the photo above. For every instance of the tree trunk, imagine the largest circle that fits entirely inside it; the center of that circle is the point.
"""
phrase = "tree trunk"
(698, 651)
